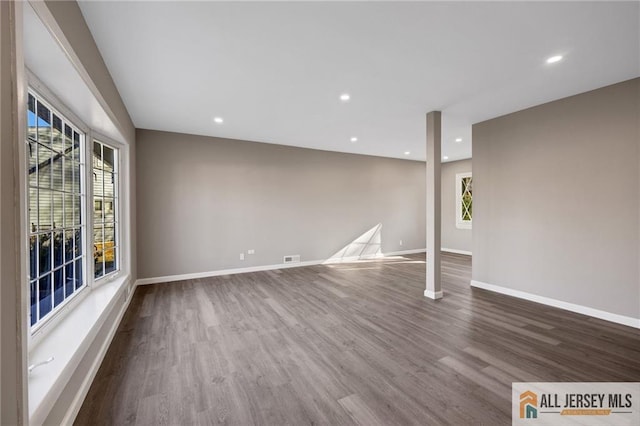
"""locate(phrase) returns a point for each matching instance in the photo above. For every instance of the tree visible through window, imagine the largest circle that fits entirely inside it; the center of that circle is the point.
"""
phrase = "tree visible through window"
(464, 200)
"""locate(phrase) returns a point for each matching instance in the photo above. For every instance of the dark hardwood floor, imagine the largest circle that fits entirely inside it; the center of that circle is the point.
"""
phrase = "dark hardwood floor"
(342, 344)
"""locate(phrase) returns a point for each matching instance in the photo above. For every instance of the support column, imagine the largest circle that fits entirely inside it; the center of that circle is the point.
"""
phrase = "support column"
(434, 210)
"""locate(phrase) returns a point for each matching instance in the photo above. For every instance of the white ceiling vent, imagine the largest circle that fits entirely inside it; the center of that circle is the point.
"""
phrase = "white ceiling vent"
(292, 259)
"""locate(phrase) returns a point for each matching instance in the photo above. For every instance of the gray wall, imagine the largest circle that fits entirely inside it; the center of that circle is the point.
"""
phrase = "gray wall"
(202, 201)
(452, 237)
(556, 200)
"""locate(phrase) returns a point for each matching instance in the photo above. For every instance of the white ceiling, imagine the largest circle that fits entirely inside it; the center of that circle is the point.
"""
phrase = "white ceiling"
(45, 58)
(274, 71)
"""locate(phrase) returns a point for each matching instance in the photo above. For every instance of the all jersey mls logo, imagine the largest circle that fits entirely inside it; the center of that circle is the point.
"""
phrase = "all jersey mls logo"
(576, 403)
(528, 405)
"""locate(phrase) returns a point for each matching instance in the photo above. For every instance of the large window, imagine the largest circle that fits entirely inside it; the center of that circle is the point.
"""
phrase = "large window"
(464, 200)
(105, 201)
(55, 200)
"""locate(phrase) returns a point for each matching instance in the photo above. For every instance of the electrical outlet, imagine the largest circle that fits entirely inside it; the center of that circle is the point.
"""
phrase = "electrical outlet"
(251, 251)
(400, 242)
(241, 256)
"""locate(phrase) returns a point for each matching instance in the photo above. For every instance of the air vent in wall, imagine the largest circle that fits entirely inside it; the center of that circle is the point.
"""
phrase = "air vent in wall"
(292, 259)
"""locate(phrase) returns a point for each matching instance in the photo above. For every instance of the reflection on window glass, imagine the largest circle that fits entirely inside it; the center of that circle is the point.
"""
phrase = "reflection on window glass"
(57, 140)
(105, 218)
(55, 216)
(43, 168)
(32, 130)
(76, 146)
(68, 141)
(44, 125)
(108, 157)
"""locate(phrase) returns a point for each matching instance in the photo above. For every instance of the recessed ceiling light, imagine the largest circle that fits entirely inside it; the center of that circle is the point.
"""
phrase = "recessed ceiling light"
(354, 139)
(458, 139)
(554, 59)
(445, 158)
(345, 97)
(407, 152)
(218, 120)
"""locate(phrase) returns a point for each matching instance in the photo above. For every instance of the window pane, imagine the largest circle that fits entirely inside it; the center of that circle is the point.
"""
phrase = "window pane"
(33, 302)
(33, 257)
(97, 155)
(58, 249)
(44, 125)
(68, 141)
(44, 295)
(33, 209)
(58, 286)
(109, 235)
(69, 282)
(32, 128)
(76, 146)
(77, 242)
(108, 158)
(109, 248)
(45, 202)
(77, 176)
(44, 167)
(108, 184)
(57, 137)
(78, 274)
(44, 255)
(98, 251)
(77, 210)
(32, 153)
(98, 205)
(58, 209)
(68, 210)
(98, 179)
(109, 260)
(109, 210)
(68, 174)
(68, 246)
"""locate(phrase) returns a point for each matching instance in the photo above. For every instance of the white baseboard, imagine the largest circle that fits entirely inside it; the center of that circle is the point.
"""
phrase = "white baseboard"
(435, 295)
(456, 251)
(193, 276)
(78, 400)
(585, 310)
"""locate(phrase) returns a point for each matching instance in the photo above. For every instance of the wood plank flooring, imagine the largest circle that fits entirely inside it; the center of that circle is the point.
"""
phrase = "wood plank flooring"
(342, 344)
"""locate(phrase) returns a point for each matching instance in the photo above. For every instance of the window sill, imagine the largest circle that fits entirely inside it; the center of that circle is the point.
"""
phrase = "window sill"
(67, 341)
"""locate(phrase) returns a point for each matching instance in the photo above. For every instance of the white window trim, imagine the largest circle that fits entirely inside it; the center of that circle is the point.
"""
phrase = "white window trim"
(39, 329)
(39, 332)
(122, 149)
(461, 224)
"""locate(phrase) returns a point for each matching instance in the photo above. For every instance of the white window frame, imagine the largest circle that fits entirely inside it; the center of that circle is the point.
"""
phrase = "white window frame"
(40, 330)
(121, 149)
(460, 222)
(41, 93)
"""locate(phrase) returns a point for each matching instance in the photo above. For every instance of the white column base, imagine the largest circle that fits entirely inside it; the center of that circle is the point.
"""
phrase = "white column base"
(433, 294)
